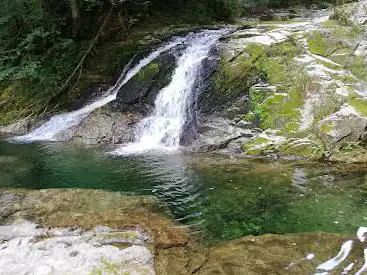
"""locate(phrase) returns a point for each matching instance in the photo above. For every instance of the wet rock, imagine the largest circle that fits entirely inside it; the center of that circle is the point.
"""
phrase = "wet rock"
(91, 93)
(21, 127)
(301, 147)
(216, 133)
(144, 87)
(275, 254)
(103, 126)
(267, 254)
(244, 124)
(87, 209)
(9, 203)
(341, 127)
(357, 155)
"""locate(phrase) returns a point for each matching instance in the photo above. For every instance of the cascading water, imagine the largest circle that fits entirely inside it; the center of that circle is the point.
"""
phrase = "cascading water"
(163, 128)
(62, 122)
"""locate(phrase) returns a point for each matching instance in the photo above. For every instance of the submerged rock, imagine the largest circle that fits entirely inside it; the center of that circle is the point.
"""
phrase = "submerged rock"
(268, 254)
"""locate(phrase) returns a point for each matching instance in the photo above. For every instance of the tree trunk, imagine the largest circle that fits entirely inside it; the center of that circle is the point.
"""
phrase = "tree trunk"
(75, 15)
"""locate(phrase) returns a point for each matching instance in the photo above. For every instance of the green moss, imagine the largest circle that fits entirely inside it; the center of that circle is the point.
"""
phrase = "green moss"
(148, 71)
(250, 117)
(282, 112)
(235, 78)
(326, 127)
(318, 44)
(106, 268)
(277, 63)
(278, 68)
(256, 146)
(342, 31)
(338, 44)
(360, 104)
(359, 68)
(305, 150)
(347, 79)
(330, 65)
(302, 148)
(120, 235)
(343, 56)
(330, 103)
(257, 96)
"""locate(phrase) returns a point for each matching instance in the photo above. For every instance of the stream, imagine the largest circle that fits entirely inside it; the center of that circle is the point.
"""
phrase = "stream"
(216, 198)
(220, 198)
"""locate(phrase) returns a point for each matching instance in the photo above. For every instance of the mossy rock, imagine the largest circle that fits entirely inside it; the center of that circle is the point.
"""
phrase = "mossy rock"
(303, 148)
(232, 79)
(339, 129)
(260, 146)
(350, 153)
(144, 86)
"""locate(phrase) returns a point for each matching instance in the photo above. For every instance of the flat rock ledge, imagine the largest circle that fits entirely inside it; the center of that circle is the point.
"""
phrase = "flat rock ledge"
(77, 231)
(28, 249)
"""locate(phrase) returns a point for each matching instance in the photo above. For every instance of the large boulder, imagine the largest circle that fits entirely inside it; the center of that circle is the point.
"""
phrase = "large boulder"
(215, 133)
(103, 126)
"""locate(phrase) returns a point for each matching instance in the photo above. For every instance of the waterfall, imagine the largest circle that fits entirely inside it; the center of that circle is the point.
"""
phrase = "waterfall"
(63, 122)
(162, 130)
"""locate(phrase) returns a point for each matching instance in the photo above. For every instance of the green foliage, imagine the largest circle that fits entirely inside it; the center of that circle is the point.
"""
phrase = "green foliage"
(225, 9)
(34, 55)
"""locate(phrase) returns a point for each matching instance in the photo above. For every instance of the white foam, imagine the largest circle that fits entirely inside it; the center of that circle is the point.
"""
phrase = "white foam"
(162, 130)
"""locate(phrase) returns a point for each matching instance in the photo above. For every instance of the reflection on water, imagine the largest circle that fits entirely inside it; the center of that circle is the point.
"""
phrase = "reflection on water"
(221, 197)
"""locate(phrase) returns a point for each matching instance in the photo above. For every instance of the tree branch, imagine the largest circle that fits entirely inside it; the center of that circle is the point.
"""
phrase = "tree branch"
(91, 46)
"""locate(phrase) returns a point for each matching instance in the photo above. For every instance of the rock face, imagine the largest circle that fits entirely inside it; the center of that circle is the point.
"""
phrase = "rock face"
(302, 83)
(142, 89)
(115, 122)
(216, 133)
(103, 126)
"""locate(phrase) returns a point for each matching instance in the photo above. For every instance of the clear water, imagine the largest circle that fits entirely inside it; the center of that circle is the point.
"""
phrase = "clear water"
(220, 198)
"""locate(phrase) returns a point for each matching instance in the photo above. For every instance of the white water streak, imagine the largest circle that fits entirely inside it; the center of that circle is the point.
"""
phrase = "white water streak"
(362, 234)
(342, 255)
(62, 122)
(347, 269)
(163, 128)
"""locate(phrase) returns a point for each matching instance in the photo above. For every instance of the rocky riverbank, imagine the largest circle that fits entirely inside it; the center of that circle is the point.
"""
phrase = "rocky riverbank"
(97, 232)
(300, 87)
